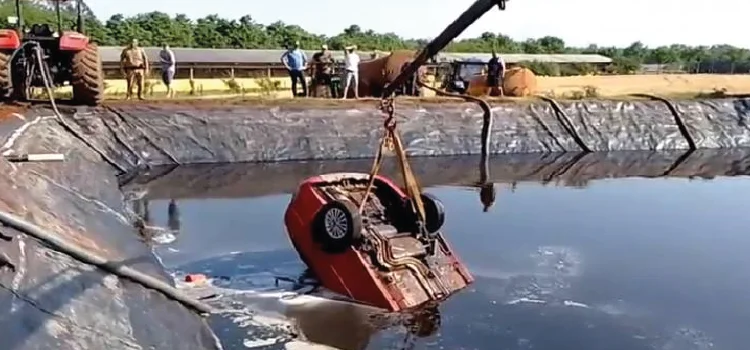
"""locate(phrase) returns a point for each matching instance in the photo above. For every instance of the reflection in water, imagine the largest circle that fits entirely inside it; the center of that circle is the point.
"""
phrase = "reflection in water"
(251, 180)
(143, 221)
(486, 188)
(487, 196)
(173, 216)
(349, 326)
(311, 315)
(146, 212)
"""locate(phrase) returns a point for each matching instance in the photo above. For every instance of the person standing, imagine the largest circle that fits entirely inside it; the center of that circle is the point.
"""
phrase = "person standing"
(495, 73)
(295, 61)
(351, 64)
(168, 68)
(135, 67)
(323, 70)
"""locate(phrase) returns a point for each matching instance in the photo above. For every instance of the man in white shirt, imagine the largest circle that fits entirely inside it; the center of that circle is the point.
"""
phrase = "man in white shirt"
(351, 64)
(166, 56)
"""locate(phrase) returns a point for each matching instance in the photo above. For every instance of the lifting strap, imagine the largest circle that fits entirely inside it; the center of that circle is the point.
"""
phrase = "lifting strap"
(391, 141)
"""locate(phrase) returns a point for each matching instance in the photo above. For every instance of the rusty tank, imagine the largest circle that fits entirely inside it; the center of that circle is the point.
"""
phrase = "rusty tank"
(376, 73)
(517, 82)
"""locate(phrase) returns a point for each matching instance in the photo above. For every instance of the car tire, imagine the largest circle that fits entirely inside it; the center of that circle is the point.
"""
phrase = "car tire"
(434, 212)
(337, 226)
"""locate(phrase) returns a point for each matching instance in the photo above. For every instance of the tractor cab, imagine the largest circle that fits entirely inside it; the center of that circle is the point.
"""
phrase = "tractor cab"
(41, 32)
(458, 74)
(41, 55)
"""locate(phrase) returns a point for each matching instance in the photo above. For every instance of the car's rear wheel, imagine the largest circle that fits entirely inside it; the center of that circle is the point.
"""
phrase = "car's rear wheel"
(434, 212)
(337, 226)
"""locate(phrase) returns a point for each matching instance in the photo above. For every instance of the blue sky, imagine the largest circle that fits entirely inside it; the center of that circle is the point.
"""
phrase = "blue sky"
(578, 22)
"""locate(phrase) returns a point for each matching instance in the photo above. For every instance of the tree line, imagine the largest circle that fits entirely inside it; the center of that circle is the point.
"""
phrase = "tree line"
(212, 31)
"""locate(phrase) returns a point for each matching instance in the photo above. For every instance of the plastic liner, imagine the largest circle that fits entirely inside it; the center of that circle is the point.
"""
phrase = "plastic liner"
(50, 301)
(183, 134)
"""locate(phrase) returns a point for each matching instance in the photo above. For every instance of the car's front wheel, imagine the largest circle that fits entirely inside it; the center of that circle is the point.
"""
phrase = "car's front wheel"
(337, 226)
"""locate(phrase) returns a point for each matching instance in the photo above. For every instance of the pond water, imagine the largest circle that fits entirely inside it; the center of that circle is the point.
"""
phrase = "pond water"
(619, 263)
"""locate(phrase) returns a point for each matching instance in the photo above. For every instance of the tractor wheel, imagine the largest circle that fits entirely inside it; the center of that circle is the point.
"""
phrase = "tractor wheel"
(88, 76)
(6, 85)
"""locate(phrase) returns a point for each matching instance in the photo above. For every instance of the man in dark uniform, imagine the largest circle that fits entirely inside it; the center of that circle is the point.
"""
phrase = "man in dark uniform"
(495, 72)
(323, 70)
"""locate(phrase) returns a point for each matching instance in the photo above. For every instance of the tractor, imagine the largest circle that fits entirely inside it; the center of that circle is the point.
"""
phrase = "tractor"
(38, 56)
(464, 77)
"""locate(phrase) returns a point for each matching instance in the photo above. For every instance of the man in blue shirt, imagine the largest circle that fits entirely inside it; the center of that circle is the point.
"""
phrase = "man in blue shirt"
(295, 62)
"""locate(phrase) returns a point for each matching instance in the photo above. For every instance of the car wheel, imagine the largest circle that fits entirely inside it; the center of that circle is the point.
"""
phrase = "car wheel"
(337, 226)
(434, 212)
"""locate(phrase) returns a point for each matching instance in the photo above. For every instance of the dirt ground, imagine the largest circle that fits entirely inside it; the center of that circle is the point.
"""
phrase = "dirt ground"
(680, 86)
(665, 85)
(8, 111)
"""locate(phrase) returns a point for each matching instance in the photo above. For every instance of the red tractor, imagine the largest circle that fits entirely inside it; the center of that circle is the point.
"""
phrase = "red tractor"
(39, 56)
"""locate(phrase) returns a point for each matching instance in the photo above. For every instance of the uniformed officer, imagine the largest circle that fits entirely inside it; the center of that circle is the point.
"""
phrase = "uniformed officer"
(135, 67)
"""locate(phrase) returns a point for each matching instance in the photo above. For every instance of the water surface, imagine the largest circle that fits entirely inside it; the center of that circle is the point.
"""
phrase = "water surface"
(619, 263)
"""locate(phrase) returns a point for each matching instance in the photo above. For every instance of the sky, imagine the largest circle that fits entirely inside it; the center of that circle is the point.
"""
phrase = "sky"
(578, 22)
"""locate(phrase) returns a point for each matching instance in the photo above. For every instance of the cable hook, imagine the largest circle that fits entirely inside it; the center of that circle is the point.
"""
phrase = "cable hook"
(387, 106)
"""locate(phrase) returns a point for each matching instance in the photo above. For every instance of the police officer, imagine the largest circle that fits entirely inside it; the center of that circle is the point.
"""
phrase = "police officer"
(323, 70)
(134, 66)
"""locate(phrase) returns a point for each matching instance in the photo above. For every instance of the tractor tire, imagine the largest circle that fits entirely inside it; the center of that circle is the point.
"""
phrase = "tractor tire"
(88, 76)
(6, 85)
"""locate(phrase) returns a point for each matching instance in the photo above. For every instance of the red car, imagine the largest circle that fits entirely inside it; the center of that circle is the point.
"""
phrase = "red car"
(384, 256)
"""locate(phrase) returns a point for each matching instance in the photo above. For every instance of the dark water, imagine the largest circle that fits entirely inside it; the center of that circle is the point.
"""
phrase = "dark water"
(630, 263)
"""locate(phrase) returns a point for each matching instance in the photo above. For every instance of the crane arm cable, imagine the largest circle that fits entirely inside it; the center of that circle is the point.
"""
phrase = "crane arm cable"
(391, 142)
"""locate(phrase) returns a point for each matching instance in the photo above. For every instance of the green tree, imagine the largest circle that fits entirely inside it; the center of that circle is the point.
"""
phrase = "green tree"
(211, 31)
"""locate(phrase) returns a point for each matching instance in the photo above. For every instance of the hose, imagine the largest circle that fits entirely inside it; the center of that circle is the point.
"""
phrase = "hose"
(566, 123)
(486, 113)
(676, 116)
(57, 243)
(46, 79)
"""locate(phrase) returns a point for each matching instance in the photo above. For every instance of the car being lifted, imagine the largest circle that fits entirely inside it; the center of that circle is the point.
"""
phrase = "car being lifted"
(379, 254)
